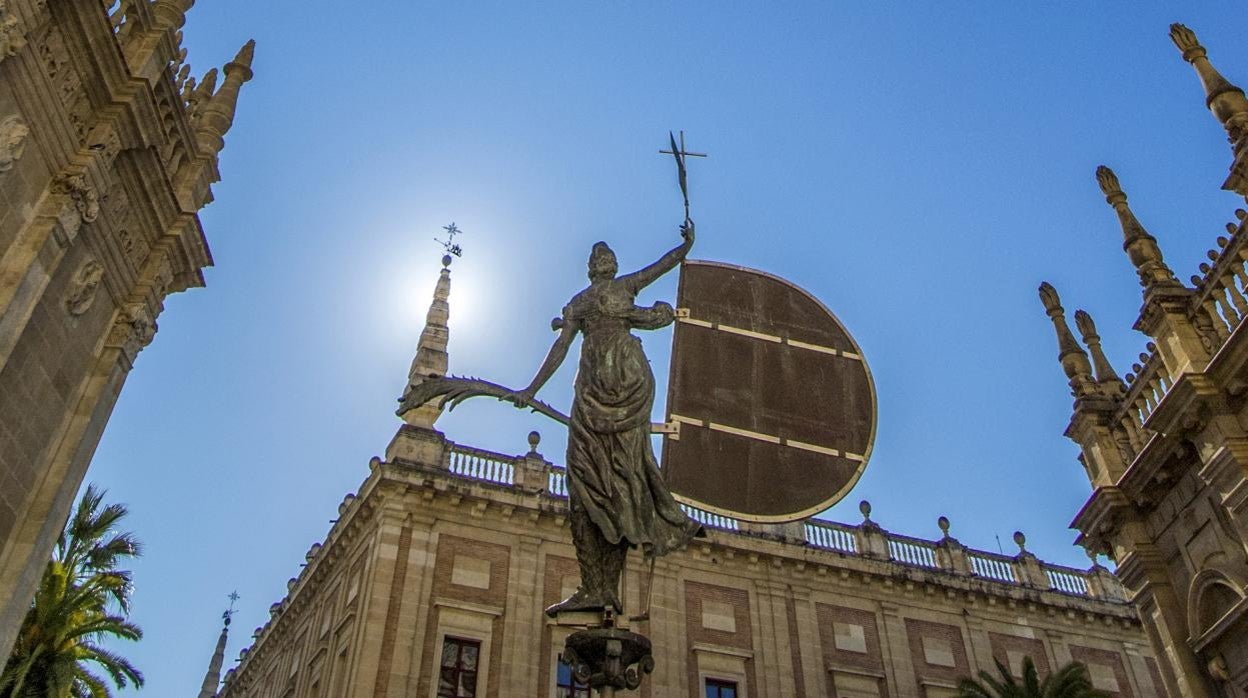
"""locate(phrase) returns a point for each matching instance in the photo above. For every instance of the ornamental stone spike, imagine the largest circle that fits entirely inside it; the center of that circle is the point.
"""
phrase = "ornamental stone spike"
(217, 116)
(431, 360)
(1225, 100)
(212, 679)
(1141, 247)
(1072, 357)
(1105, 374)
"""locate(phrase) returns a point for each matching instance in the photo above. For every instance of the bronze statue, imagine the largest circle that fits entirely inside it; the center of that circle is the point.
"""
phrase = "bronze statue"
(617, 496)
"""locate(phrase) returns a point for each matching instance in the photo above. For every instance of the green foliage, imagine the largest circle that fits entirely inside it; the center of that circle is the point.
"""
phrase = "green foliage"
(1071, 681)
(82, 599)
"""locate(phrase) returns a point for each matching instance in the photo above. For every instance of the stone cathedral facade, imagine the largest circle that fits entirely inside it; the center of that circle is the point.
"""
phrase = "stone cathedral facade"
(108, 150)
(433, 580)
(1166, 449)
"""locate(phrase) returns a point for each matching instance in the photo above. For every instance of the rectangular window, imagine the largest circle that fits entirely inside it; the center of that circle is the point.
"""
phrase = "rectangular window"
(459, 668)
(566, 685)
(718, 688)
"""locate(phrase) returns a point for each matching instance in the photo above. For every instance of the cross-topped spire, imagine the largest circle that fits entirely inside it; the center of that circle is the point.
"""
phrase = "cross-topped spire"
(213, 678)
(431, 358)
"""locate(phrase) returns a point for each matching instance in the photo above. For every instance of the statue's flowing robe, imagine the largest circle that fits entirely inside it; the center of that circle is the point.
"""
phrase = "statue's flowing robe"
(612, 471)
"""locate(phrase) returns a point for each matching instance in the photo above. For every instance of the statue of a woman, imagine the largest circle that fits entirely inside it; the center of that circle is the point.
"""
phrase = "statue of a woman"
(617, 495)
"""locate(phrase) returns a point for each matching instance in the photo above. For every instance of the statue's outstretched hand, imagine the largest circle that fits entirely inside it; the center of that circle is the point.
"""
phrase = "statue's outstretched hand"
(686, 231)
(520, 398)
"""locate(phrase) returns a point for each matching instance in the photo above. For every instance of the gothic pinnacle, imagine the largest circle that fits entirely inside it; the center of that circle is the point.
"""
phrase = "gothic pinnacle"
(1224, 99)
(1141, 248)
(1072, 357)
(1105, 374)
(217, 115)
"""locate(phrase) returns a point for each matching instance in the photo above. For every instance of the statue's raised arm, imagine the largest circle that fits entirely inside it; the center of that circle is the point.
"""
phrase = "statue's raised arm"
(648, 275)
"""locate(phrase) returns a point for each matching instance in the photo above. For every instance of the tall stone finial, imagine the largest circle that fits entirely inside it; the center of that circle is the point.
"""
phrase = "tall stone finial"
(1224, 99)
(1141, 247)
(1105, 374)
(431, 356)
(217, 116)
(213, 678)
(1072, 357)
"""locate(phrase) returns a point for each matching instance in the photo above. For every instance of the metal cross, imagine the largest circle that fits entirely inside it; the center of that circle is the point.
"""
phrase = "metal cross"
(680, 154)
(449, 243)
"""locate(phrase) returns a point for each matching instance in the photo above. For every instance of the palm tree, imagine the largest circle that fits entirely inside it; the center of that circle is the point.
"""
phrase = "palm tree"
(1071, 681)
(82, 599)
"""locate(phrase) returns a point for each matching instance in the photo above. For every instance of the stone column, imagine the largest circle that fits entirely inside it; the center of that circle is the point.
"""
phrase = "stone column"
(809, 643)
(774, 668)
(1142, 568)
(900, 666)
(523, 613)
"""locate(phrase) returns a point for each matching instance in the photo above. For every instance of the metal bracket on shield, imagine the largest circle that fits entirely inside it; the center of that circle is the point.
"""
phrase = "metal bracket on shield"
(668, 429)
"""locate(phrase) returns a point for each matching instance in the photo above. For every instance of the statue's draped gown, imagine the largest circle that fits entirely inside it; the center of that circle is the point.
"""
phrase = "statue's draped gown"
(612, 472)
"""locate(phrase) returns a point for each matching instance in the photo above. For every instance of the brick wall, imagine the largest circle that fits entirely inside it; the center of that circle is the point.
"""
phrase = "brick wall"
(697, 596)
(928, 643)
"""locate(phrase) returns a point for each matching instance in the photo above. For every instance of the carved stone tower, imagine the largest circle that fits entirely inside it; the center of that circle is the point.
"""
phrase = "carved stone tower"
(108, 150)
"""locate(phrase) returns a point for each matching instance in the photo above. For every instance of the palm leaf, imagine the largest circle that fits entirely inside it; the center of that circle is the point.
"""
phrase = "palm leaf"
(452, 390)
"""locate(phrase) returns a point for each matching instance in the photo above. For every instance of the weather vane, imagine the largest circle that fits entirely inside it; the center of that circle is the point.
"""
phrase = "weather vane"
(449, 243)
(229, 614)
(680, 154)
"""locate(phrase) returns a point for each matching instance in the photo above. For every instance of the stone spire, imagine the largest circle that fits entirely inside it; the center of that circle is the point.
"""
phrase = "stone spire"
(213, 678)
(214, 118)
(1072, 357)
(1225, 100)
(1141, 247)
(431, 357)
(1105, 374)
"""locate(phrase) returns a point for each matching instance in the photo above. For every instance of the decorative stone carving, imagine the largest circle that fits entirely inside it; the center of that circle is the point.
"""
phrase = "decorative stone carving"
(133, 330)
(82, 291)
(13, 133)
(12, 39)
(81, 202)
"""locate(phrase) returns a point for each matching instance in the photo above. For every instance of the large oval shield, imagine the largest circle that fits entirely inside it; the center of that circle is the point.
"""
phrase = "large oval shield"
(775, 402)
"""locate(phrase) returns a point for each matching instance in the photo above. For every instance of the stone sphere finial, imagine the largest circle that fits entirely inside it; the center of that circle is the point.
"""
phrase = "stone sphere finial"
(1021, 541)
(943, 522)
(865, 507)
(446, 260)
(534, 439)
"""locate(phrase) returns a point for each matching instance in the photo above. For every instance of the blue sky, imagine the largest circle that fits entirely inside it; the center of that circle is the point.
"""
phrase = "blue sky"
(919, 167)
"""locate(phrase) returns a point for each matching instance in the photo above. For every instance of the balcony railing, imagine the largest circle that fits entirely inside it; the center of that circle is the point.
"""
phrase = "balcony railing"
(868, 540)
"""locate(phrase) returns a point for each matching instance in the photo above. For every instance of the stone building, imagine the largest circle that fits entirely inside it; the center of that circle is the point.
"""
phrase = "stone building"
(433, 580)
(108, 150)
(1166, 449)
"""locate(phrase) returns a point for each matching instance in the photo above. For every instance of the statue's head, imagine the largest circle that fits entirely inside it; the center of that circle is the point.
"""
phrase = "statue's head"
(602, 263)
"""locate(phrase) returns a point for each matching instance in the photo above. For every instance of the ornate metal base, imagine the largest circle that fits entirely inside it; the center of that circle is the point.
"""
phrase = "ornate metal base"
(608, 658)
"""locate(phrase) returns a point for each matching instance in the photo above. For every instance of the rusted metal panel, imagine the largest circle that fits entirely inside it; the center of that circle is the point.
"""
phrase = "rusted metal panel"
(776, 404)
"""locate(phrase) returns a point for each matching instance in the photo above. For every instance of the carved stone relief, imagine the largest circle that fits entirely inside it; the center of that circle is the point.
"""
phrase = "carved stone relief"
(83, 289)
(133, 330)
(81, 202)
(13, 133)
(12, 39)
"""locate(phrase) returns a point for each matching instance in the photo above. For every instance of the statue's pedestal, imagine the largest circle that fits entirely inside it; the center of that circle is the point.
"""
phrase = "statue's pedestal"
(605, 657)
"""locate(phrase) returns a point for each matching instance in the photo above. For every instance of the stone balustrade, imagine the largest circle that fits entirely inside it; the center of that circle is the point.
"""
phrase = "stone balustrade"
(865, 540)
